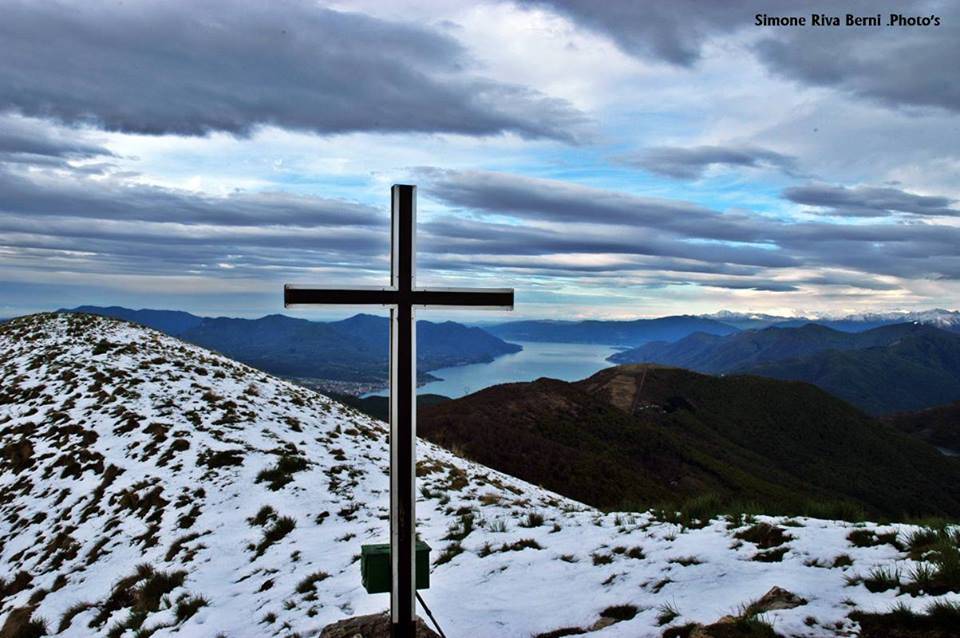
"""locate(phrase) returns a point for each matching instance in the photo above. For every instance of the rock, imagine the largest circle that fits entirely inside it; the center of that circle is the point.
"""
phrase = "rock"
(372, 626)
(775, 599)
(602, 623)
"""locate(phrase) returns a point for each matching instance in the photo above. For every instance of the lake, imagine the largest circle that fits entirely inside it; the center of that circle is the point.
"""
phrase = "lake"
(566, 361)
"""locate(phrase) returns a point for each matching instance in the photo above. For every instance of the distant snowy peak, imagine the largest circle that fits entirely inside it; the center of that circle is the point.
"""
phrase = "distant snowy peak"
(935, 317)
(722, 315)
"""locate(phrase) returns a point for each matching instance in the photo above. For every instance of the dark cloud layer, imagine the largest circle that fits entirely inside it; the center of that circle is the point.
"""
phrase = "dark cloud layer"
(114, 200)
(867, 201)
(692, 162)
(907, 66)
(900, 66)
(620, 223)
(671, 31)
(195, 67)
(533, 228)
(25, 141)
(555, 201)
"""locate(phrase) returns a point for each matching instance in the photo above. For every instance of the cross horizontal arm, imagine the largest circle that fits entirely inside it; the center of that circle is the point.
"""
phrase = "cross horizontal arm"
(493, 298)
(305, 296)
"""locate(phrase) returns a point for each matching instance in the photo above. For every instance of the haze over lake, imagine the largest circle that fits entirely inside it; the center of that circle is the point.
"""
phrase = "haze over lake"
(565, 361)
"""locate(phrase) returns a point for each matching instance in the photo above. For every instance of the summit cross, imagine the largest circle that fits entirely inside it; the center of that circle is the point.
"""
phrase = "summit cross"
(402, 296)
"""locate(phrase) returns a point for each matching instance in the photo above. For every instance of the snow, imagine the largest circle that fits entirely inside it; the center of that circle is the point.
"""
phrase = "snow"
(51, 397)
(936, 317)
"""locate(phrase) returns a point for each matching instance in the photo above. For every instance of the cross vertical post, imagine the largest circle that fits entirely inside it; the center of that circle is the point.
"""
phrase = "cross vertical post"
(403, 418)
(402, 296)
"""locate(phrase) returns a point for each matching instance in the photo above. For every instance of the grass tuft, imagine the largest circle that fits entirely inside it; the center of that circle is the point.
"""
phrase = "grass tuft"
(449, 553)
(273, 534)
(282, 473)
(523, 543)
(188, 606)
(307, 585)
(882, 579)
(667, 613)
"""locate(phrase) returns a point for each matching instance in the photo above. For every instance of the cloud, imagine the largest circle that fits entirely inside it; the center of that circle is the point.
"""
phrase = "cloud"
(692, 162)
(560, 217)
(864, 201)
(670, 31)
(62, 220)
(530, 231)
(69, 195)
(465, 237)
(557, 201)
(191, 68)
(852, 280)
(759, 285)
(31, 141)
(899, 66)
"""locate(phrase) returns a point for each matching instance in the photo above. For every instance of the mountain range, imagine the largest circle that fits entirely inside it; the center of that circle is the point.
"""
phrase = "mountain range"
(635, 436)
(938, 317)
(639, 331)
(625, 333)
(899, 367)
(353, 349)
(152, 488)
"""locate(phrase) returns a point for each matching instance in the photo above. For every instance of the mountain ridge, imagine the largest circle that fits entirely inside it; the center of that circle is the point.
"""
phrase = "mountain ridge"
(353, 349)
(938, 317)
(635, 332)
(651, 434)
(620, 333)
(888, 369)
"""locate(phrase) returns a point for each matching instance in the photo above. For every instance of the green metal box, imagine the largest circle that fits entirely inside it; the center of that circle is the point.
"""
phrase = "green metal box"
(375, 567)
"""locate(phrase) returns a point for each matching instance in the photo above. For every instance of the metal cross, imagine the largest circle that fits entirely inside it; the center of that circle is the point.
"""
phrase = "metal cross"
(402, 296)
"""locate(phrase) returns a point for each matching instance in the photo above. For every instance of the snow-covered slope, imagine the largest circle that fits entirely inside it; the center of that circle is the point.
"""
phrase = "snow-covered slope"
(150, 485)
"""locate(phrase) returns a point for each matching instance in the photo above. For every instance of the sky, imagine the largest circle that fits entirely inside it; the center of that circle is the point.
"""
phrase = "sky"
(607, 160)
